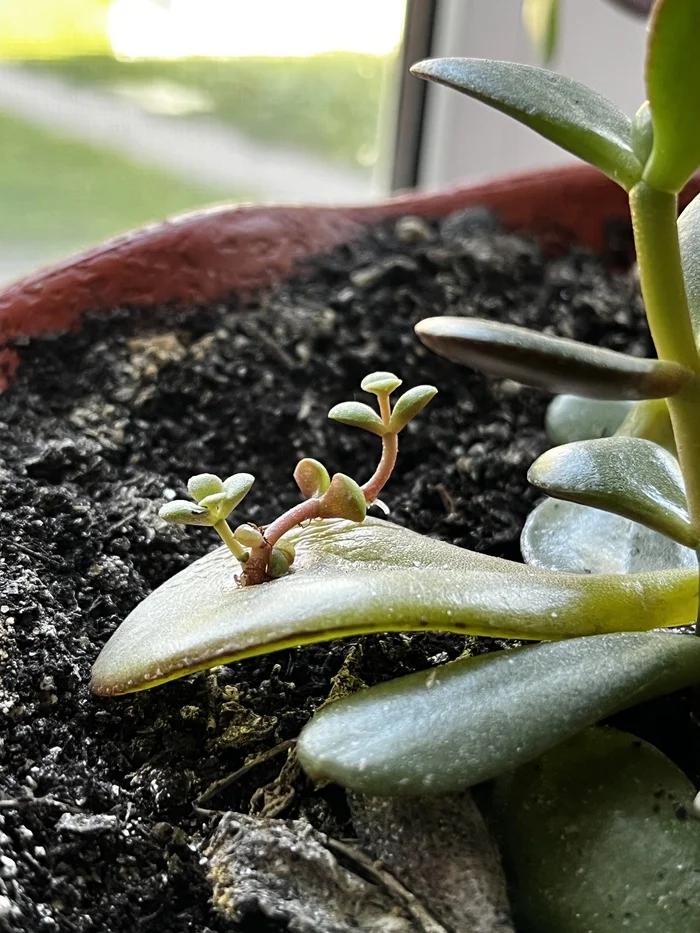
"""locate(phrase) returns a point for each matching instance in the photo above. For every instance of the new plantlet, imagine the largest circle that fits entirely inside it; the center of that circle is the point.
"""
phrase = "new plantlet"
(261, 551)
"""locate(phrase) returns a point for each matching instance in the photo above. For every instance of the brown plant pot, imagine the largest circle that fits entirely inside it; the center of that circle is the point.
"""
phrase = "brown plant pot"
(200, 256)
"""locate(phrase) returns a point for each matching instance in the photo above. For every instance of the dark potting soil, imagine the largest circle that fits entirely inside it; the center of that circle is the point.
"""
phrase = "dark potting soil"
(97, 826)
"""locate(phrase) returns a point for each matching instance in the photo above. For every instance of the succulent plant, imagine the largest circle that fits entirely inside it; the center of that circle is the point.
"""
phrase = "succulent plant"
(324, 569)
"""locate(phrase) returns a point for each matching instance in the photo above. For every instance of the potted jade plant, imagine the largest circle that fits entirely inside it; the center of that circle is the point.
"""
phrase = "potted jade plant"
(102, 426)
(323, 569)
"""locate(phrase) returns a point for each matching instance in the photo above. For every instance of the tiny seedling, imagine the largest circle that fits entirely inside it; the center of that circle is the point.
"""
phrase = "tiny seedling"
(263, 553)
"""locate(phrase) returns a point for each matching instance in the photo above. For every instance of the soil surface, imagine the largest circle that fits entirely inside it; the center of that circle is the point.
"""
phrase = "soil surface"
(97, 826)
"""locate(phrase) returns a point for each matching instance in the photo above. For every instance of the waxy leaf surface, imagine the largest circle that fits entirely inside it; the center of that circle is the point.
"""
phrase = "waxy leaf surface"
(448, 728)
(689, 238)
(673, 88)
(575, 538)
(371, 577)
(629, 476)
(598, 834)
(575, 418)
(555, 364)
(570, 114)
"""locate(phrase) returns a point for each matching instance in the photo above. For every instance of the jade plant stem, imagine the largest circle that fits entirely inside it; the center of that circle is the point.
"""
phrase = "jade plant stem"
(654, 220)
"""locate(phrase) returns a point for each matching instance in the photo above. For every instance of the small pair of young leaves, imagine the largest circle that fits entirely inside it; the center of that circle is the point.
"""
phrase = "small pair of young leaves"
(214, 499)
(359, 415)
(588, 124)
(599, 834)
(340, 497)
(349, 579)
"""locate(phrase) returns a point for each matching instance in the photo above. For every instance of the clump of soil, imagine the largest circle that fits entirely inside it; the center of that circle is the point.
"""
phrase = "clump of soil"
(97, 826)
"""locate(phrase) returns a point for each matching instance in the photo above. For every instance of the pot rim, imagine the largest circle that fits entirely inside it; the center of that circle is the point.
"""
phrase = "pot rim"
(205, 254)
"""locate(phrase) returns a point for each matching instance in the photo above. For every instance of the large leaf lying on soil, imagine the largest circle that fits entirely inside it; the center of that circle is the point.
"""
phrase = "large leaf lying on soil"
(372, 577)
(598, 835)
(457, 725)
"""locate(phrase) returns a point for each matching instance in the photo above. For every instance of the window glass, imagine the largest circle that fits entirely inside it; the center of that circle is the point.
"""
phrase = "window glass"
(114, 113)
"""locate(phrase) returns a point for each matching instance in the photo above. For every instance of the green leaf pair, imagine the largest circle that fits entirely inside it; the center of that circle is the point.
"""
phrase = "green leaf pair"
(359, 415)
(214, 499)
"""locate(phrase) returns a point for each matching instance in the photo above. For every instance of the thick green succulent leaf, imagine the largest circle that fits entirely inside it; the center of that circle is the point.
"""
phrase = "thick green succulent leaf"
(598, 834)
(567, 112)
(673, 88)
(204, 485)
(380, 383)
(456, 725)
(689, 238)
(541, 20)
(410, 404)
(555, 364)
(348, 579)
(575, 418)
(358, 415)
(311, 477)
(629, 476)
(569, 537)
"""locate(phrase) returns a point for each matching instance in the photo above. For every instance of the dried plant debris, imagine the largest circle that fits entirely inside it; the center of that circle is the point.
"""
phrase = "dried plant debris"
(440, 849)
(290, 873)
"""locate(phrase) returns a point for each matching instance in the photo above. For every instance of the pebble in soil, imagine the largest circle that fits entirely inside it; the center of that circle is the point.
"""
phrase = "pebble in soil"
(97, 827)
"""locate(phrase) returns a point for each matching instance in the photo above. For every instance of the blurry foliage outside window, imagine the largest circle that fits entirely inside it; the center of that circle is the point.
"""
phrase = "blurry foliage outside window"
(114, 113)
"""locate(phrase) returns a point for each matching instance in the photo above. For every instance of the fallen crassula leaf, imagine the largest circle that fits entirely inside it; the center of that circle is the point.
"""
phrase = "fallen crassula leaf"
(673, 88)
(555, 364)
(629, 476)
(567, 112)
(598, 835)
(569, 537)
(350, 579)
(456, 725)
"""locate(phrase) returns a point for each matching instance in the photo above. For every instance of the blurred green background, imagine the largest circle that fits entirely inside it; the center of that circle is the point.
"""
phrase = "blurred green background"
(66, 184)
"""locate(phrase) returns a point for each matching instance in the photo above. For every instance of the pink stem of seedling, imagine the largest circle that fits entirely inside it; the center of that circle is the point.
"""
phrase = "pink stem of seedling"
(390, 449)
(255, 569)
(385, 467)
